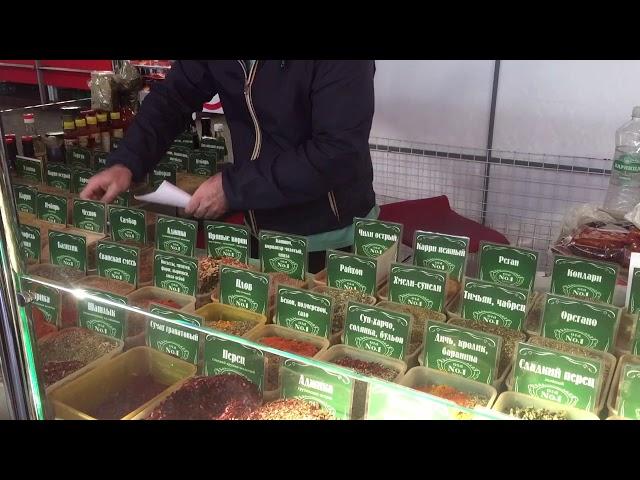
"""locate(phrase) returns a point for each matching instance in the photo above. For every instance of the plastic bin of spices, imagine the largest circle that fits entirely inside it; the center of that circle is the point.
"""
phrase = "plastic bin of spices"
(385, 368)
(612, 398)
(538, 408)
(92, 240)
(230, 319)
(122, 387)
(209, 276)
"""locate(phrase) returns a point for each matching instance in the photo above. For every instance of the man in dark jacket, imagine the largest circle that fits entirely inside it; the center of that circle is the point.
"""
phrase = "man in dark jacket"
(299, 130)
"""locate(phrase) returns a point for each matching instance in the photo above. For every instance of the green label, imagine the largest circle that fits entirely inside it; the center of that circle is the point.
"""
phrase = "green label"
(377, 330)
(462, 351)
(26, 198)
(627, 164)
(573, 277)
(417, 286)
(161, 172)
(223, 357)
(591, 325)
(351, 272)
(29, 168)
(283, 253)
(101, 317)
(629, 392)
(115, 143)
(214, 144)
(203, 162)
(225, 240)
(244, 289)
(447, 253)
(636, 343)
(81, 177)
(100, 159)
(303, 310)
(123, 200)
(68, 250)
(177, 340)
(46, 299)
(491, 303)
(79, 157)
(371, 238)
(333, 391)
(185, 139)
(176, 273)
(551, 375)
(89, 215)
(508, 266)
(119, 262)
(31, 246)
(59, 176)
(52, 208)
(175, 235)
(175, 315)
(634, 296)
(128, 224)
(178, 156)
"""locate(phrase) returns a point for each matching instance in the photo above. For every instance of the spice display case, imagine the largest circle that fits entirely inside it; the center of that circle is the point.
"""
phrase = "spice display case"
(508, 401)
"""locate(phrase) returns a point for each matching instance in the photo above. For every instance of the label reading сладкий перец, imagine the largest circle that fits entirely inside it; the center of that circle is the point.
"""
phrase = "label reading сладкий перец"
(418, 286)
(226, 240)
(371, 238)
(303, 310)
(447, 253)
(488, 302)
(508, 266)
(283, 253)
(586, 279)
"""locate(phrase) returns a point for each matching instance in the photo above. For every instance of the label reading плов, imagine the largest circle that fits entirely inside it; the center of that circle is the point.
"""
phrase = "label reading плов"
(244, 289)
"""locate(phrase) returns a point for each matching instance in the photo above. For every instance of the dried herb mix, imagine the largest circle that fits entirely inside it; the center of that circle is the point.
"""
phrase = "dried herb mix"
(77, 344)
(532, 413)
(467, 400)
(209, 271)
(420, 317)
(371, 369)
(139, 390)
(340, 300)
(234, 327)
(291, 409)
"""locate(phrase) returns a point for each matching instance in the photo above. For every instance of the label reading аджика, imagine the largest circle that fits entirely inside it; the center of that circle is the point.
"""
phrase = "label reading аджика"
(175, 235)
(303, 310)
(634, 297)
(59, 176)
(119, 262)
(26, 198)
(161, 172)
(487, 302)
(447, 253)
(371, 238)
(333, 391)
(508, 266)
(283, 253)
(101, 317)
(128, 224)
(178, 156)
(89, 215)
(628, 403)
(52, 208)
(81, 177)
(244, 289)
(223, 357)
(203, 162)
(419, 286)
(377, 330)
(100, 159)
(225, 240)
(178, 340)
(29, 168)
(552, 375)
(586, 279)
(462, 351)
(176, 273)
(46, 299)
(68, 250)
(30, 237)
(351, 272)
(571, 320)
(79, 157)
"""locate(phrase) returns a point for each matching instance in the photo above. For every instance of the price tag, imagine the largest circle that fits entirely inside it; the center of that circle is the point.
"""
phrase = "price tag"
(492, 303)
(81, 177)
(89, 215)
(223, 356)
(119, 262)
(447, 253)
(79, 157)
(100, 159)
(52, 208)
(418, 286)
(176, 235)
(26, 198)
(589, 280)
(178, 156)
(283, 253)
(225, 240)
(68, 250)
(31, 246)
(629, 392)
(46, 299)
(351, 272)
(100, 317)
(29, 168)
(244, 289)
(373, 237)
(59, 176)
(161, 172)
(303, 310)
(508, 266)
(128, 224)
(176, 273)
(203, 162)
(178, 340)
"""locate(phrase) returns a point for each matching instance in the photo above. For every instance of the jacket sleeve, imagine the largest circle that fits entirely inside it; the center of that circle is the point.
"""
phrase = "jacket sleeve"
(163, 115)
(342, 106)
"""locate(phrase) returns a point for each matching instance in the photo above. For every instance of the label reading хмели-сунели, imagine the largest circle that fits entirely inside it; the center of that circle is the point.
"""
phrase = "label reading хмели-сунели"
(225, 240)
(178, 340)
(176, 273)
(418, 286)
(161, 172)
(447, 253)
(178, 156)
(333, 391)
(552, 375)
(571, 320)
(462, 351)
(203, 162)
(44, 298)
(508, 266)
(371, 238)
(283, 253)
(586, 279)
(377, 330)
(59, 176)
(351, 272)
(487, 302)
(244, 289)
(628, 401)
(26, 198)
(89, 215)
(52, 208)
(128, 224)
(303, 310)
(30, 242)
(223, 357)
(30, 168)
(175, 235)
(102, 317)
(68, 250)
(80, 178)
(119, 262)
(79, 157)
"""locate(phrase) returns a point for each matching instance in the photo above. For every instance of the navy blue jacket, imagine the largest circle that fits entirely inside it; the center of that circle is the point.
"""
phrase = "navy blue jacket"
(299, 129)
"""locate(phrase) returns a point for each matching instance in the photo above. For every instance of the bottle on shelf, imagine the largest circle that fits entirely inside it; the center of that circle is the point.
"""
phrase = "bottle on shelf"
(12, 149)
(105, 131)
(205, 123)
(28, 149)
(69, 131)
(218, 130)
(92, 129)
(82, 132)
(30, 129)
(54, 142)
(117, 128)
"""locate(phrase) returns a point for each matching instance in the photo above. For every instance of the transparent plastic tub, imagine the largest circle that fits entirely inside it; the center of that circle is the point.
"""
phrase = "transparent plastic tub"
(336, 352)
(150, 406)
(509, 400)
(218, 311)
(612, 398)
(73, 400)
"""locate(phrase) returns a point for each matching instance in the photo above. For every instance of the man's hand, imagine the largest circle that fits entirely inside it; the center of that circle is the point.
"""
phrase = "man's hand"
(209, 200)
(108, 184)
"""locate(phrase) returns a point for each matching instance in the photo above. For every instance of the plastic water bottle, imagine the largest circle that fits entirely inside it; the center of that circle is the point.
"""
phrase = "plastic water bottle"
(624, 185)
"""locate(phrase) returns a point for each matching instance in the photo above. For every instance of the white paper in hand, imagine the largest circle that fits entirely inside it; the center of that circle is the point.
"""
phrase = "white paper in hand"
(167, 194)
